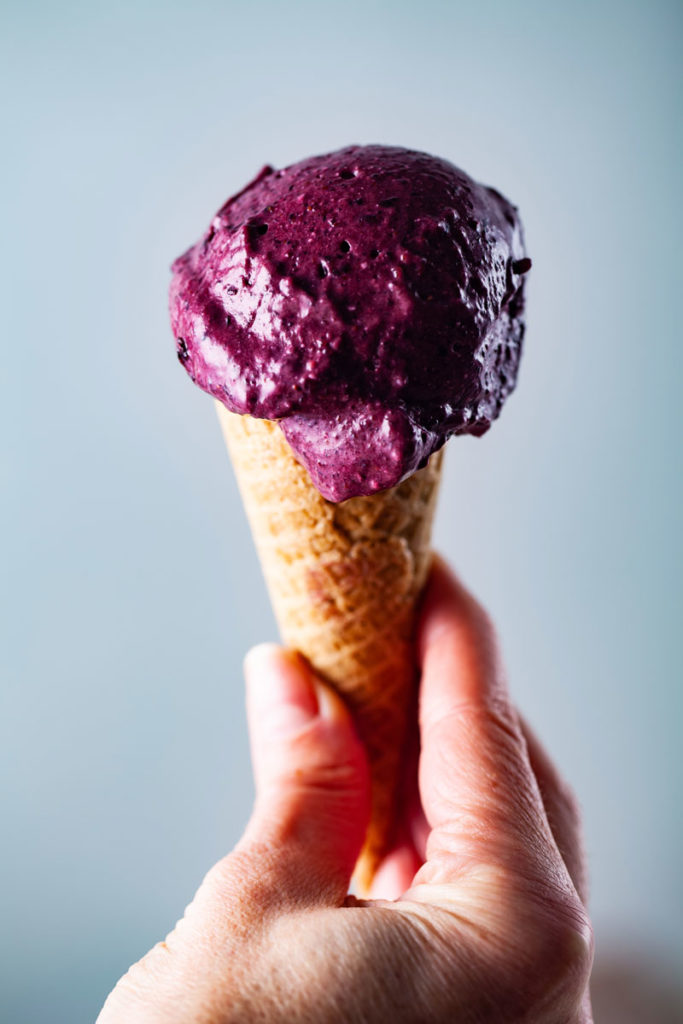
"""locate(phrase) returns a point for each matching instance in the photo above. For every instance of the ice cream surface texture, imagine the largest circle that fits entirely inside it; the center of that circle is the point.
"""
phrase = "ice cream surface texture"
(370, 300)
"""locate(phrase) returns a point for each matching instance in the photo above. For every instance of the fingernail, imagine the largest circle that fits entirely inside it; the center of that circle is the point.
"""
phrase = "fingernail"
(329, 705)
(280, 691)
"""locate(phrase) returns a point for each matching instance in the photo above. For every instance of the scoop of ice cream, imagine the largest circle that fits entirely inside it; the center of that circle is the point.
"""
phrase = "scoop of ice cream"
(371, 300)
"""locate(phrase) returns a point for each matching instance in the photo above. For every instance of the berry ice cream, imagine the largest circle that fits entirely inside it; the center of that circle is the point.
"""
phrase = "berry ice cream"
(370, 300)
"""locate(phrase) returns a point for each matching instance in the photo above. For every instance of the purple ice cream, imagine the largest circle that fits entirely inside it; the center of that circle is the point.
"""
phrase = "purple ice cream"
(371, 300)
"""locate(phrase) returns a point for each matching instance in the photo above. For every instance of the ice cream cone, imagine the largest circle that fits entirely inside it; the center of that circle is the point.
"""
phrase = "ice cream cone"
(344, 580)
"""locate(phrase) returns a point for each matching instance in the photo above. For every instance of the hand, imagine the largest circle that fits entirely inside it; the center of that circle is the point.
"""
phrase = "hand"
(482, 918)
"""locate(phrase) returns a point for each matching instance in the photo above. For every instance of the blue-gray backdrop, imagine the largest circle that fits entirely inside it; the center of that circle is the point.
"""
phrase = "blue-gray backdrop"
(130, 587)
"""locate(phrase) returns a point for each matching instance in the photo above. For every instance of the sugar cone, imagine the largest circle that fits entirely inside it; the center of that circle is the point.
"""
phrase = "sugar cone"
(343, 580)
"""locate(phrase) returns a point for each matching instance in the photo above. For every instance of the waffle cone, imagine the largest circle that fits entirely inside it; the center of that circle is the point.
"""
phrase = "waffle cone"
(344, 580)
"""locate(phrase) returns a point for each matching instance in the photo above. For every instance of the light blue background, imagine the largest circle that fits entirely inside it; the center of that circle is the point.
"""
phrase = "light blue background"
(131, 588)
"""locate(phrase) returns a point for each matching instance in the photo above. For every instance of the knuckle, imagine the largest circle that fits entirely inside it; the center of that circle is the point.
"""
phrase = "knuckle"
(563, 953)
(503, 721)
(570, 942)
(493, 718)
(332, 773)
(323, 756)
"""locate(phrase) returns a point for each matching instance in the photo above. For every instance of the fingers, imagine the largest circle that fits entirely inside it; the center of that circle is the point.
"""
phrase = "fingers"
(396, 872)
(407, 854)
(312, 780)
(561, 810)
(478, 792)
(298, 851)
(311, 811)
(492, 862)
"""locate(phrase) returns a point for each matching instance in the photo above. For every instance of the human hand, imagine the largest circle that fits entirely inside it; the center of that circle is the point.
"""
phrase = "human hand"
(481, 916)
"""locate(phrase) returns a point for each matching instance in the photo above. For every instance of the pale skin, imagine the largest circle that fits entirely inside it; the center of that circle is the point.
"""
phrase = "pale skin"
(478, 913)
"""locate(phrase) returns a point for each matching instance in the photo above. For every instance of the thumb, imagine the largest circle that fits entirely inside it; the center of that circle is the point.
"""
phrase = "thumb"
(312, 780)
(299, 849)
